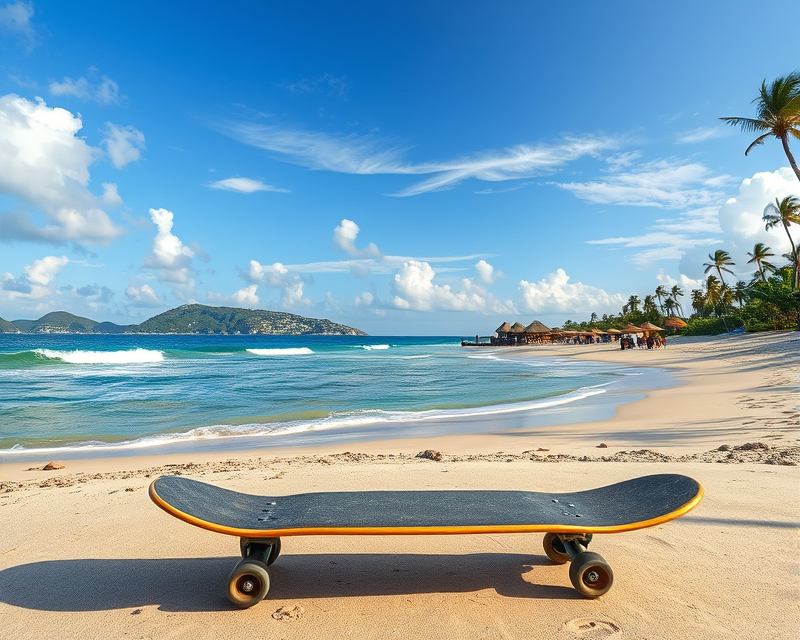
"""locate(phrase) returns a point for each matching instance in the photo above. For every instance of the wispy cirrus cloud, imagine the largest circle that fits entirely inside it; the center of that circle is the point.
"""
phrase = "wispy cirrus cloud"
(244, 185)
(372, 154)
(326, 84)
(667, 184)
(701, 134)
(104, 92)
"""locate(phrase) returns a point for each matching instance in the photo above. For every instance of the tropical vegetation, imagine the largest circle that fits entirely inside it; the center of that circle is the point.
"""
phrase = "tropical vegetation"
(771, 299)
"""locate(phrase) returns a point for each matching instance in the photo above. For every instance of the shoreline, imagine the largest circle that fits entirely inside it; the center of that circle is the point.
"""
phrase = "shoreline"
(735, 398)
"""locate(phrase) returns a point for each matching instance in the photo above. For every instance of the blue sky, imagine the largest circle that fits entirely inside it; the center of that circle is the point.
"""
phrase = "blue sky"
(405, 168)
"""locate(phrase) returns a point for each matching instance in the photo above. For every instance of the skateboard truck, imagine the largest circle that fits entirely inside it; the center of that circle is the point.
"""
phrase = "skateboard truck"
(589, 573)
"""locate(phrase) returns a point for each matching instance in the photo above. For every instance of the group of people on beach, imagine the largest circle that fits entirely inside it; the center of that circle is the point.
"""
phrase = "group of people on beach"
(642, 342)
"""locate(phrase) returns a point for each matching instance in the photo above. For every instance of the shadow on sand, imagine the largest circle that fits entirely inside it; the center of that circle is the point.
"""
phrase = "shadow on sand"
(199, 584)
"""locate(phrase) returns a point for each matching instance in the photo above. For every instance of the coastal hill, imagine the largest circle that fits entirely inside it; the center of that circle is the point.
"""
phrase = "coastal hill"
(7, 327)
(198, 318)
(188, 319)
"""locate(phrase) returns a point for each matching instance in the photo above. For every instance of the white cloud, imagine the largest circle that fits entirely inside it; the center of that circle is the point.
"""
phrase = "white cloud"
(244, 185)
(667, 184)
(143, 296)
(244, 297)
(741, 217)
(124, 144)
(15, 17)
(169, 256)
(45, 164)
(365, 299)
(702, 134)
(44, 270)
(413, 288)
(33, 285)
(369, 154)
(486, 272)
(555, 294)
(103, 93)
(344, 236)
(277, 276)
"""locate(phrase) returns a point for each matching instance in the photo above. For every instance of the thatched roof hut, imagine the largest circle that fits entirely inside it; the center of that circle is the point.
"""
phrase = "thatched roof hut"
(675, 322)
(649, 326)
(632, 328)
(503, 328)
(537, 327)
(517, 328)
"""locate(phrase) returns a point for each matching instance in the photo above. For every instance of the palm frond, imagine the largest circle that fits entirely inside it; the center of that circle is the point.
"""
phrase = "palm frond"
(748, 125)
(756, 142)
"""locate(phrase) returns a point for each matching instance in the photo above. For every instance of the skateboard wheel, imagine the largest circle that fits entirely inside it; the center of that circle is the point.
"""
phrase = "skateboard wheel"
(554, 548)
(590, 574)
(248, 583)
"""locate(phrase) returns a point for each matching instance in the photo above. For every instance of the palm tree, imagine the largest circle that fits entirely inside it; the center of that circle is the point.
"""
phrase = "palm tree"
(698, 301)
(669, 305)
(633, 303)
(661, 292)
(777, 114)
(649, 306)
(677, 292)
(740, 293)
(713, 292)
(719, 261)
(785, 212)
(760, 254)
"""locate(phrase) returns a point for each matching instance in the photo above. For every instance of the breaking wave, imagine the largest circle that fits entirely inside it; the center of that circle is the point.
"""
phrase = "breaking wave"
(130, 356)
(293, 351)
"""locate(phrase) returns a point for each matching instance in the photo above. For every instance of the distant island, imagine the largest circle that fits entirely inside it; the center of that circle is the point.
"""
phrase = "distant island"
(188, 319)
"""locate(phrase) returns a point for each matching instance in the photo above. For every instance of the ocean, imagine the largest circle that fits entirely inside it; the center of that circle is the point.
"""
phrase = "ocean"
(79, 395)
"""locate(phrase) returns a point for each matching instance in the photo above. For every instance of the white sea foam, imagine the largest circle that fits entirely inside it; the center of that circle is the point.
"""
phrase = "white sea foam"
(374, 347)
(103, 357)
(291, 351)
(348, 419)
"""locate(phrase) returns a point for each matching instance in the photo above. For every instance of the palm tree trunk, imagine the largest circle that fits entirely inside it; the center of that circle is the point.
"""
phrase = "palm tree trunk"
(785, 141)
(795, 270)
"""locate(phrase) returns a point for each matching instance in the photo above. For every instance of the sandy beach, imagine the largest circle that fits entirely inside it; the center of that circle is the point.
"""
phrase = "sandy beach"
(84, 552)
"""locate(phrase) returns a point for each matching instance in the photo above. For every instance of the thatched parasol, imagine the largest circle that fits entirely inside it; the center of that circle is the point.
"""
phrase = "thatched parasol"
(537, 327)
(503, 328)
(616, 332)
(649, 326)
(675, 322)
(517, 328)
(598, 331)
(633, 329)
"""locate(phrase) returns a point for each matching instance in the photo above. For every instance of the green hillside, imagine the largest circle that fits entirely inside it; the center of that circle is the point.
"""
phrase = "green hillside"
(56, 322)
(198, 318)
(7, 327)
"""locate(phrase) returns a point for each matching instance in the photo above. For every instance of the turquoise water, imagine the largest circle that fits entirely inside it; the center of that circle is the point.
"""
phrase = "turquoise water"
(72, 393)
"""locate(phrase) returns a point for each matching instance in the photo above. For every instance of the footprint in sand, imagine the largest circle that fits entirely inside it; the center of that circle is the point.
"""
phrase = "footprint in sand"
(593, 628)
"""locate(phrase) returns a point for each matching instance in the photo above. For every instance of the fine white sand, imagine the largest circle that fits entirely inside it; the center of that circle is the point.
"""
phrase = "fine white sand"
(84, 553)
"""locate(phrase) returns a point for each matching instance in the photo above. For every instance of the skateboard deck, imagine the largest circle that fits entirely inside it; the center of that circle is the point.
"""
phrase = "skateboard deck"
(569, 519)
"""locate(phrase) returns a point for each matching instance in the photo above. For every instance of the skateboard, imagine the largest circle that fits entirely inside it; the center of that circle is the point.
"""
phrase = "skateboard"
(568, 520)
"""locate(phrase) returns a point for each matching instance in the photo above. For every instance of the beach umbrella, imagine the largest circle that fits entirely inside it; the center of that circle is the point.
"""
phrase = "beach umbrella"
(598, 331)
(649, 326)
(633, 329)
(675, 322)
(537, 327)
(616, 332)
